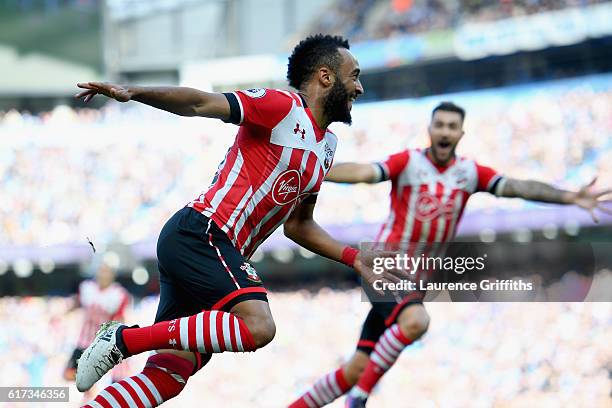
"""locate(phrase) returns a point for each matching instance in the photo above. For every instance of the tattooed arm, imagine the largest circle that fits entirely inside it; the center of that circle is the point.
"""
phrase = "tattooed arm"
(538, 191)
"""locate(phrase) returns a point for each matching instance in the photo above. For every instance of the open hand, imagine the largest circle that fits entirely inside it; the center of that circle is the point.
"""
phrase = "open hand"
(590, 200)
(116, 92)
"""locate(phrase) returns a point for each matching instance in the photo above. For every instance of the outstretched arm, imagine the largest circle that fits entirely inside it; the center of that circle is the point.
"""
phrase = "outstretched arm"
(538, 191)
(369, 172)
(301, 228)
(354, 173)
(178, 100)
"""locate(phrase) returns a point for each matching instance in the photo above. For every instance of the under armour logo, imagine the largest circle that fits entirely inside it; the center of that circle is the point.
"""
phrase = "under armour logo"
(297, 129)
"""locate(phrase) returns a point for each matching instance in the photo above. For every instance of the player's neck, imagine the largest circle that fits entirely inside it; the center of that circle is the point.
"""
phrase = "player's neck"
(319, 116)
(103, 286)
(316, 103)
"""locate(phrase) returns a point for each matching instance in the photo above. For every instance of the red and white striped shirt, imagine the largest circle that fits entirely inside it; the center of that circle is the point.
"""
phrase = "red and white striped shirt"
(100, 305)
(280, 156)
(427, 200)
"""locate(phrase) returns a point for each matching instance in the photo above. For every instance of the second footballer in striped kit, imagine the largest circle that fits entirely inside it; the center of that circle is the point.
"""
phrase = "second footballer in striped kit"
(429, 190)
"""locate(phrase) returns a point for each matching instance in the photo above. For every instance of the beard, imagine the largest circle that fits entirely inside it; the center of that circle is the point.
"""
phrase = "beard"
(437, 154)
(336, 107)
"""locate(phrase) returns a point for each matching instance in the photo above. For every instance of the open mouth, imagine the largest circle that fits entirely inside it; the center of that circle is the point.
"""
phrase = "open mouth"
(444, 144)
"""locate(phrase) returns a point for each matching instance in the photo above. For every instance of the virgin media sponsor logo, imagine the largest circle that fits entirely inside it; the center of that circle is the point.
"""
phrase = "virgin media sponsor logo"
(286, 188)
(429, 207)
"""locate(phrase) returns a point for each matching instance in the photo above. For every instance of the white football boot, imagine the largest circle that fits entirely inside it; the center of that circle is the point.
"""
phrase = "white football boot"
(101, 355)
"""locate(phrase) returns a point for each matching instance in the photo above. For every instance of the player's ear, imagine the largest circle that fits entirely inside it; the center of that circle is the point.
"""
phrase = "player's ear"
(325, 76)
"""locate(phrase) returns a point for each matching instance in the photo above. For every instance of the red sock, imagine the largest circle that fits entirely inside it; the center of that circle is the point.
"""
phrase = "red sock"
(385, 353)
(163, 377)
(324, 391)
(206, 332)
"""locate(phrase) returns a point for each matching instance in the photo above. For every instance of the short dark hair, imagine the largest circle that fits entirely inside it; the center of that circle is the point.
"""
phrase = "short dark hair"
(449, 107)
(310, 54)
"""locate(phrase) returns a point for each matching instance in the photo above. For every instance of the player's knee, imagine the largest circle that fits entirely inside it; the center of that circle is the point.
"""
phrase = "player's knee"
(413, 322)
(355, 367)
(258, 319)
(263, 330)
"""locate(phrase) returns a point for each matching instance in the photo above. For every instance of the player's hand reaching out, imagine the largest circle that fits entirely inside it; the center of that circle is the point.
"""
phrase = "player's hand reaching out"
(363, 267)
(591, 200)
(366, 273)
(116, 92)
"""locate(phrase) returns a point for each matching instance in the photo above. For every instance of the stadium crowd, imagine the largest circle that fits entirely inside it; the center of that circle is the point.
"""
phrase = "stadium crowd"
(117, 173)
(475, 354)
(375, 19)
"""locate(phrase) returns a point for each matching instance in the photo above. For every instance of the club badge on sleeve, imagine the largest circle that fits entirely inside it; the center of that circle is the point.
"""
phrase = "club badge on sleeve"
(251, 273)
(255, 92)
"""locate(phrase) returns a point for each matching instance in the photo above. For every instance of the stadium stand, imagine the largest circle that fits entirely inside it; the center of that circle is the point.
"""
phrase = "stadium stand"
(131, 187)
(378, 19)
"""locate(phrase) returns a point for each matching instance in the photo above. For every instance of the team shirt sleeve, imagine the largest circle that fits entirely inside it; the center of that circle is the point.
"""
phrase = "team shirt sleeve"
(258, 107)
(392, 166)
(489, 180)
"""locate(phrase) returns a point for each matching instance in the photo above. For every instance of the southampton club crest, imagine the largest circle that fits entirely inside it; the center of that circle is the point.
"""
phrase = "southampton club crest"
(251, 273)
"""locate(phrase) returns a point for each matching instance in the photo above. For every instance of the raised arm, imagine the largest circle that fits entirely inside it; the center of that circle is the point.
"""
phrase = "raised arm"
(538, 191)
(178, 100)
(369, 172)
(354, 173)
